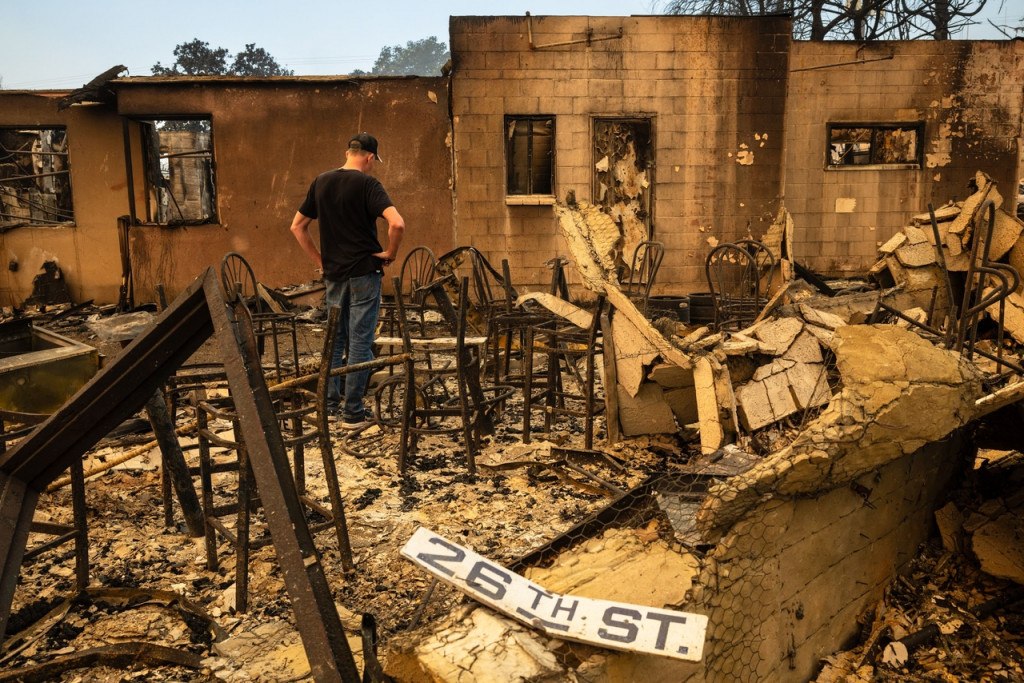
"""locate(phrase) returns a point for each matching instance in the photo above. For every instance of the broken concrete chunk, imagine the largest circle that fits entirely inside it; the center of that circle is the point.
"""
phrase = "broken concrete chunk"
(753, 406)
(1013, 314)
(739, 345)
(778, 390)
(915, 235)
(1005, 233)
(821, 318)
(712, 428)
(915, 278)
(942, 214)
(960, 228)
(621, 566)
(632, 353)
(671, 376)
(646, 413)
(917, 314)
(890, 378)
(780, 332)
(824, 336)
(895, 242)
(560, 307)
(779, 395)
(486, 646)
(916, 255)
(998, 549)
(776, 367)
(804, 349)
(809, 384)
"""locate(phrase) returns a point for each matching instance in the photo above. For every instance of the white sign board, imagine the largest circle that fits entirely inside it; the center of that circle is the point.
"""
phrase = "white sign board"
(617, 625)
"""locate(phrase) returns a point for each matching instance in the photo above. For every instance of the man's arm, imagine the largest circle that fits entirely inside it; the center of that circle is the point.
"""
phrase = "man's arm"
(396, 229)
(300, 229)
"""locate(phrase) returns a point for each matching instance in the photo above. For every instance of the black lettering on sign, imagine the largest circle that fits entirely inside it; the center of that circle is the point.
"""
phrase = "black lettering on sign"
(539, 594)
(630, 629)
(666, 621)
(535, 620)
(497, 591)
(458, 555)
(559, 608)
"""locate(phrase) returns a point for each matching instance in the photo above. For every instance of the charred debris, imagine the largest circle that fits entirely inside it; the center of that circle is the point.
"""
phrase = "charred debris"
(214, 524)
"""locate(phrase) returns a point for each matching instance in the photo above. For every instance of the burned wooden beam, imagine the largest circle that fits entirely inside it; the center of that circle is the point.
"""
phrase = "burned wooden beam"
(123, 388)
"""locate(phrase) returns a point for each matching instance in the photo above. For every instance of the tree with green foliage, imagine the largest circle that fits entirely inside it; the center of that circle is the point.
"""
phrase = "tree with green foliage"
(255, 61)
(423, 57)
(197, 58)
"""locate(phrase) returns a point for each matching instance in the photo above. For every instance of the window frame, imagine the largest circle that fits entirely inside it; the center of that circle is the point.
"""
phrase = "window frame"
(918, 127)
(148, 129)
(13, 220)
(530, 196)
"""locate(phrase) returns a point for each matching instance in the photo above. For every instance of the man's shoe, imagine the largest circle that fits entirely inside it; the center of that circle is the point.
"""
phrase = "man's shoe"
(349, 423)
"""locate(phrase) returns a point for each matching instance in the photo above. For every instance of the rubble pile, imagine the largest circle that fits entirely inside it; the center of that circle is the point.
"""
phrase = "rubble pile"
(507, 511)
(953, 615)
(772, 478)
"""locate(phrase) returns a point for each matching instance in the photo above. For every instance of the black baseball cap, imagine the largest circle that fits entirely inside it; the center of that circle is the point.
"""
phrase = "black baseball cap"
(365, 142)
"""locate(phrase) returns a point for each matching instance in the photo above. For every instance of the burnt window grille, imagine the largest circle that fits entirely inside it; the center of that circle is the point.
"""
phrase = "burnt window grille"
(35, 180)
(889, 144)
(530, 155)
(179, 169)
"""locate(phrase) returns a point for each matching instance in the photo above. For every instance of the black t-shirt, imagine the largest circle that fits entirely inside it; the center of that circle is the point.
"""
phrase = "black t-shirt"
(347, 204)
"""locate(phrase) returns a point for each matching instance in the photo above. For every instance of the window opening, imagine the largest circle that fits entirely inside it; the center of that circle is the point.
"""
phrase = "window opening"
(529, 155)
(180, 187)
(35, 182)
(893, 144)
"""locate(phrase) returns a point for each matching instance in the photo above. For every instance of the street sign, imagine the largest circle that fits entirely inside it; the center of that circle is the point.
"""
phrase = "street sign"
(616, 625)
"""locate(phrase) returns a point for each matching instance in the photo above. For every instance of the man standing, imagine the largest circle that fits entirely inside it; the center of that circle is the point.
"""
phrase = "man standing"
(347, 202)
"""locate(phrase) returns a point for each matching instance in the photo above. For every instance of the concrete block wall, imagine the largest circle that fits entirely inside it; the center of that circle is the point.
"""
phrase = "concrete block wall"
(969, 96)
(714, 89)
(785, 586)
(271, 138)
(86, 251)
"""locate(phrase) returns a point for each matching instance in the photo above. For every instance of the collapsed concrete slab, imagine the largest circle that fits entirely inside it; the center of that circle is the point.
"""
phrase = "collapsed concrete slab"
(793, 549)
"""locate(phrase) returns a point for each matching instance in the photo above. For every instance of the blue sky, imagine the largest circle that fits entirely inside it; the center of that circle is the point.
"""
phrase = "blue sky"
(65, 43)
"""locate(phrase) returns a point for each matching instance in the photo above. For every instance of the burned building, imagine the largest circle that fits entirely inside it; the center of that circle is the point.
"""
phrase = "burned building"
(688, 130)
(797, 477)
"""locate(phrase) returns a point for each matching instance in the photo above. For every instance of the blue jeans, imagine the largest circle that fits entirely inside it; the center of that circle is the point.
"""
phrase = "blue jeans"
(359, 300)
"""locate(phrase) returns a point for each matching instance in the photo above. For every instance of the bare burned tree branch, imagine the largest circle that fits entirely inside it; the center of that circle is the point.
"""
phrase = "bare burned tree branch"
(862, 20)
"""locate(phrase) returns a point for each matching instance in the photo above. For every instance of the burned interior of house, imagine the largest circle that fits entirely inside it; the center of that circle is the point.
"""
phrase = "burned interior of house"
(702, 359)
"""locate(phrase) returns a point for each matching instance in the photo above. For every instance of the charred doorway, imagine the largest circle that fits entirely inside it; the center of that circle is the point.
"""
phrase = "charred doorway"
(623, 175)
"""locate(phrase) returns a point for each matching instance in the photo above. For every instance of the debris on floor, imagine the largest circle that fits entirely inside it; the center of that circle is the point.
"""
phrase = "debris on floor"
(776, 477)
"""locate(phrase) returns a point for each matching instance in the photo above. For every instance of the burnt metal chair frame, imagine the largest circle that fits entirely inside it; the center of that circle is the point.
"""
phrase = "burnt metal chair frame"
(239, 282)
(473, 404)
(735, 272)
(304, 420)
(417, 270)
(78, 531)
(643, 270)
(562, 343)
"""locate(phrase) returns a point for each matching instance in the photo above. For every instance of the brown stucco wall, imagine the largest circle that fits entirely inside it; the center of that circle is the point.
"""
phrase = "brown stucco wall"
(86, 252)
(714, 87)
(968, 94)
(271, 138)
